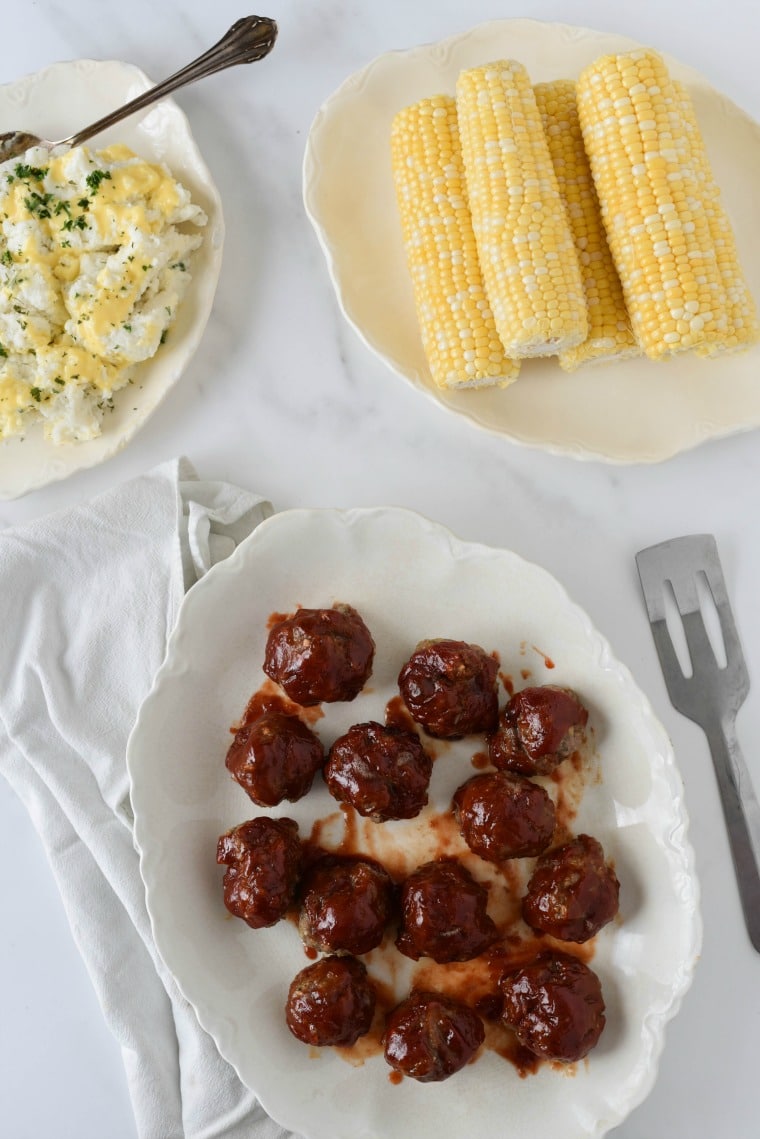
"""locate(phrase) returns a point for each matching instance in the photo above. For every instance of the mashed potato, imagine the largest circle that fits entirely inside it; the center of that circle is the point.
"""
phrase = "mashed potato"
(92, 269)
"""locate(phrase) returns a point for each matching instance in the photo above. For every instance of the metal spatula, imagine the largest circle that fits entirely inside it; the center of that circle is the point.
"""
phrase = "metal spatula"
(712, 695)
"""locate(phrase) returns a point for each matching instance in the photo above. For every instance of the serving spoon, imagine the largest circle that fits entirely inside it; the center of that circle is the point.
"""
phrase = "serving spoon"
(248, 40)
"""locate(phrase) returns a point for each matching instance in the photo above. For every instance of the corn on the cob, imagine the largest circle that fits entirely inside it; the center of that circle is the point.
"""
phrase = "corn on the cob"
(609, 327)
(743, 329)
(458, 331)
(653, 202)
(526, 250)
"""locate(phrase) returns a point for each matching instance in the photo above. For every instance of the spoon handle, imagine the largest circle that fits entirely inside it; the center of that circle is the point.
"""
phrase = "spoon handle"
(247, 40)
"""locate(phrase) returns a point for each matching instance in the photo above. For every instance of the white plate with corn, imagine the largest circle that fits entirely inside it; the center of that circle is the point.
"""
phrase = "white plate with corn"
(549, 231)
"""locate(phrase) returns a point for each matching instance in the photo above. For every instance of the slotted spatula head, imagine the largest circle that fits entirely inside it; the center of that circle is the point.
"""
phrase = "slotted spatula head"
(711, 691)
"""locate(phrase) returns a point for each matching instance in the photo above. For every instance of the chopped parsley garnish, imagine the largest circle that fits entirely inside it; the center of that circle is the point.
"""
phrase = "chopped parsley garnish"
(178, 265)
(7, 257)
(94, 179)
(127, 327)
(84, 204)
(63, 207)
(75, 223)
(36, 394)
(3, 351)
(163, 337)
(22, 170)
(39, 204)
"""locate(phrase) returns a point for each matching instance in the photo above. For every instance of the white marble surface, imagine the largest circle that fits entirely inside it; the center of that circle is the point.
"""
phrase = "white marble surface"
(284, 398)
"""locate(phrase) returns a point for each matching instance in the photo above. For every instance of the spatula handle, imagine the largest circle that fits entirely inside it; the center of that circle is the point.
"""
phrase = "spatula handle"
(742, 814)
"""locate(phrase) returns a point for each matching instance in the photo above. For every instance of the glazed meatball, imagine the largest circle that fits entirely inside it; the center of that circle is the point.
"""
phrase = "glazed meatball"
(572, 892)
(320, 655)
(275, 757)
(504, 816)
(346, 904)
(555, 1006)
(430, 1036)
(538, 728)
(443, 914)
(449, 688)
(383, 772)
(331, 1002)
(263, 860)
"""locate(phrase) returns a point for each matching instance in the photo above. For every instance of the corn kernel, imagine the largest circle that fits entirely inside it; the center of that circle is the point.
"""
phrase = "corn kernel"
(452, 306)
(680, 256)
(516, 206)
(603, 291)
(742, 327)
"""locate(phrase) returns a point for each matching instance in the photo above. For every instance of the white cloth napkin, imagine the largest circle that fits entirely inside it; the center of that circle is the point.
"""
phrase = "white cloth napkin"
(87, 600)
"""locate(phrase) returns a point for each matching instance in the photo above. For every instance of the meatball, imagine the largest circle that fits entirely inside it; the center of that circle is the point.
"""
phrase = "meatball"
(275, 757)
(320, 655)
(383, 772)
(263, 859)
(555, 1006)
(504, 816)
(346, 904)
(443, 914)
(331, 1002)
(449, 688)
(430, 1036)
(572, 892)
(538, 728)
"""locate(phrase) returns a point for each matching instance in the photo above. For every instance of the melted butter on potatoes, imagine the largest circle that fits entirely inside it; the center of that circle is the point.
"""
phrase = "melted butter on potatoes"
(93, 264)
